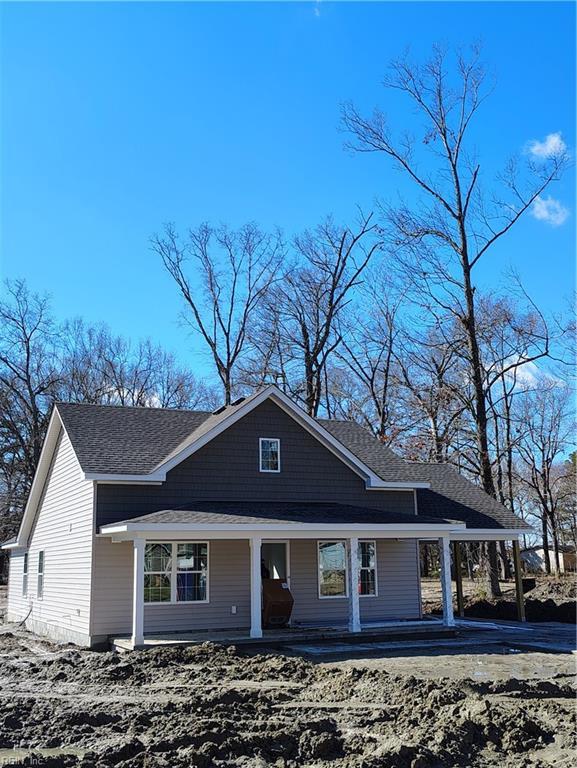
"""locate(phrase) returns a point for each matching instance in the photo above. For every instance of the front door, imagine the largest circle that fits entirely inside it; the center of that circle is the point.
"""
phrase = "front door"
(274, 561)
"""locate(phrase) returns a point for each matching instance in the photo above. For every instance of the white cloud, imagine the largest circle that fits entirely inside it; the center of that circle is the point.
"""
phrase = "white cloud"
(552, 146)
(549, 210)
(528, 375)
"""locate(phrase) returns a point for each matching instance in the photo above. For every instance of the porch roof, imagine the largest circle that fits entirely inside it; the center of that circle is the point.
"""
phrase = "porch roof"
(279, 513)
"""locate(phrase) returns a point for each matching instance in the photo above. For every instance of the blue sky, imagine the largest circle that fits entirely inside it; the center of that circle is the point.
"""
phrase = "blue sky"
(119, 117)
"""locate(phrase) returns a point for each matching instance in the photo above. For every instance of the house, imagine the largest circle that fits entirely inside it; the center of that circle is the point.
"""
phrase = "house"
(534, 559)
(143, 521)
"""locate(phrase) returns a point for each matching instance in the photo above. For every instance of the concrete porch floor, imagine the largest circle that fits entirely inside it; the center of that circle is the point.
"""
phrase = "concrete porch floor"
(390, 630)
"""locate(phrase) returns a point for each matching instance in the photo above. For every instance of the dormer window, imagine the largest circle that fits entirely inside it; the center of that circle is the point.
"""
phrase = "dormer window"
(269, 454)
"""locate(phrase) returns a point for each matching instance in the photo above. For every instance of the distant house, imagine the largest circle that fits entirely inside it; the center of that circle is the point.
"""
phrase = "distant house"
(534, 559)
(142, 521)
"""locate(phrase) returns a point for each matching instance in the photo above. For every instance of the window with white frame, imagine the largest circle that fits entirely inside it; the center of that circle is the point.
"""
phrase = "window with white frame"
(40, 584)
(25, 575)
(176, 572)
(157, 573)
(191, 572)
(367, 568)
(269, 454)
(332, 559)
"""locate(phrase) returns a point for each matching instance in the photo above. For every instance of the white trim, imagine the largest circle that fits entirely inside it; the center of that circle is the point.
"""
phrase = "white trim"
(255, 587)
(397, 486)
(352, 551)
(445, 562)
(174, 573)
(25, 574)
(138, 592)
(490, 534)
(288, 530)
(332, 541)
(40, 574)
(270, 440)
(375, 569)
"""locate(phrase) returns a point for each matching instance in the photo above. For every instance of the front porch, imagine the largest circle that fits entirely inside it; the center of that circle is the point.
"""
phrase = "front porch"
(428, 628)
(346, 578)
(197, 576)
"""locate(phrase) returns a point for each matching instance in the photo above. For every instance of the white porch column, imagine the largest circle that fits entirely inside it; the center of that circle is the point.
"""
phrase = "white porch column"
(138, 593)
(445, 560)
(255, 587)
(354, 607)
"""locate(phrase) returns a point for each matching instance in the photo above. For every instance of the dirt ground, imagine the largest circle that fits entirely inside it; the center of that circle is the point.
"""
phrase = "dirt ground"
(552, 599)
(209, 706)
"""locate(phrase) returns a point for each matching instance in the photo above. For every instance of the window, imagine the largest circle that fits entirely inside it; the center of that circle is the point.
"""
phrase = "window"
(367, 568)
(332, 569)
(191, 572)
(157, 573)
(40, 585)
(25, 575)
(176, 572)
(269, 454)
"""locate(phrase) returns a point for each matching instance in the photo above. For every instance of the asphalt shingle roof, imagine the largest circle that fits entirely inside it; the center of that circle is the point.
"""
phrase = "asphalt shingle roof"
(125, 440)
(222, 512)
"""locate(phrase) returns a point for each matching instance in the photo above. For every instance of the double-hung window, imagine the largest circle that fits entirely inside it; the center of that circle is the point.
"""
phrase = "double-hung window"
(367, 568)
(176, 572)
(192, 572)
(157, 573)
(40, 583)
(269, 454)
(333, 569)
(25, 575)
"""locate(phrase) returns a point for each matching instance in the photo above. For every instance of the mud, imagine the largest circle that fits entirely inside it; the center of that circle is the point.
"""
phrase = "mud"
(550, 600)
(209, 706)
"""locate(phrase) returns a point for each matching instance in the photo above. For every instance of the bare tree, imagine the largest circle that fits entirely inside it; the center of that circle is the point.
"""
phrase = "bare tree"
(546, 427)
(99, 367)
(233, 271)
(29, 377)
(443, 237)
(369, 333)
(301, 324)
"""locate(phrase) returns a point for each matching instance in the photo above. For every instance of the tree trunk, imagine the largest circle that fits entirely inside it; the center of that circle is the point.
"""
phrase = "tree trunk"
(481, 421)
(545, 537)
(425, 561)
(507, 573)
(555, 535)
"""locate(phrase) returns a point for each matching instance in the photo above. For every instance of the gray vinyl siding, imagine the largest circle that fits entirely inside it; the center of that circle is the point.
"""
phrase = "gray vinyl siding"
(229, 584)
(112, 587)
(397, 576)
(226, 469)
(398, 582)
(63, 531)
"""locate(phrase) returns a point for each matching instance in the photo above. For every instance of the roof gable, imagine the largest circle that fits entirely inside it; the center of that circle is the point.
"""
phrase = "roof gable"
(117, 444)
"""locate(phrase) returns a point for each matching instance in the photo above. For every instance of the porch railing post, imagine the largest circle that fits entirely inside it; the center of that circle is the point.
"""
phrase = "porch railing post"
(138, 593)
(255, 587)
(445, 560)
(354, 606)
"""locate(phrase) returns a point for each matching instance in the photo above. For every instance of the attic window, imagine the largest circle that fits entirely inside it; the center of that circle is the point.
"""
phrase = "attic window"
(269, 454)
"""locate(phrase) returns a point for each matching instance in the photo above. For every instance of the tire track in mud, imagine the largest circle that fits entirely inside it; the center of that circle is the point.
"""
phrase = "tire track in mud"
(207, 706)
